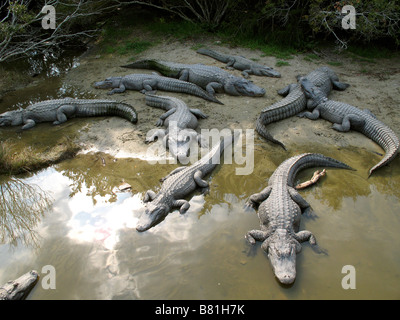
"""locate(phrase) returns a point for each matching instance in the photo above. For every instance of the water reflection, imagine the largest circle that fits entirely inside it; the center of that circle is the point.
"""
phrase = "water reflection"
(22, 207)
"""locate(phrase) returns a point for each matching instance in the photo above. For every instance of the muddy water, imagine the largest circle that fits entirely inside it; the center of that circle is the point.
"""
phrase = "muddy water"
(89, 235)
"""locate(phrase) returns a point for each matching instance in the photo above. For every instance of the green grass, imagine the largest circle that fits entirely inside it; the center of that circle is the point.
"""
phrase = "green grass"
(311, 57)
(131, 47)
(335, 63)
(281, 63)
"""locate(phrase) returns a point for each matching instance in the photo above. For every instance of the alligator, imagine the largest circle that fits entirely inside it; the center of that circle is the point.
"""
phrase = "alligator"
(210, 78)
(279, 209)
(295, 100)
(178, 119)
(178, 184)
(241, 63)
(20, 288)
(150, 82)
(345, 116)
(60, 110)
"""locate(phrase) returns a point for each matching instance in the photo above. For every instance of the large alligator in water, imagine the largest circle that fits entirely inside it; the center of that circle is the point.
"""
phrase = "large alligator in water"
(241, 63)
(210, 78)
(60, 110)
(150, 82)
(295, 100)
(180, 121)
(345, 117)
(20, 288)
(178, 184)
(279, 209)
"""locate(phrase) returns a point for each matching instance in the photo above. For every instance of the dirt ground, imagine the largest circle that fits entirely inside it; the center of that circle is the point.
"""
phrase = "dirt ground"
(373, 86)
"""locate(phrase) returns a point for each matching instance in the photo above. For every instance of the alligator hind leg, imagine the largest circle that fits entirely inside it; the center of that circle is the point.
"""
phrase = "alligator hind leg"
(314, 115)
(183, 204)
(198, 179)
(198, 113)
(61, 113)
(149, 196)
(257, 198)
(348, 121)
(337, 85)
(303, 204)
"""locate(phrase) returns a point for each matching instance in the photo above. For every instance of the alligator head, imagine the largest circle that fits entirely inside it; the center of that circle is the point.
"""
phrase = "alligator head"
(281, 248)
(18, 289)
(314, 95)
(270, 72)
(179, 144)
(108, 83)
(11, 118)
(153, 215)
(243, 87)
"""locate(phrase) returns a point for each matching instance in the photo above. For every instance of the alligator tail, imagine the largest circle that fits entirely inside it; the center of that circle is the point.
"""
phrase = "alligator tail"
(386, 138)
(213, 54)
(107, 108)
(187, 87)
(309, 160)
(262, 131)
(152, 64)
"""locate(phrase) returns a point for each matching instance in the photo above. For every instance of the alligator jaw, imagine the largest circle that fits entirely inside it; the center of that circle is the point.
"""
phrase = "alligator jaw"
(283, 264)
(19, 289)
(270, 73)
(153, 215)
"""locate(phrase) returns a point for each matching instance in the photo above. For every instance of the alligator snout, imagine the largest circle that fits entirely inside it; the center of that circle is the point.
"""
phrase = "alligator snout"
(102, 85)
(269, 72)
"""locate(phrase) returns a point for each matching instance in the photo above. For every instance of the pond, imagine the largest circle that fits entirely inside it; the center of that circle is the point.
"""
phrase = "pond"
(88, 233)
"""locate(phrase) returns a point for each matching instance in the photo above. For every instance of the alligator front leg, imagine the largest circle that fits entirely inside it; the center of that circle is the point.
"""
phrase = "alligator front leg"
(246, 73)
(348, 121)
(28, 123)
(257, 198)
(182, 204)
(160, 133)
(256, 235)
(120, 89)
(164, 116)
(213, 87)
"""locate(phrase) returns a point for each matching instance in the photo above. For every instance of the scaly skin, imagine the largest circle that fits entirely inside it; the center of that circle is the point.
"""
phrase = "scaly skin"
(295, 100)
(345, 117)
(150, 82)
(19, 289)
(180, 122)
(177, 185)
(241, 63)
(279, 209)
(60, 110)
(210, 78)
